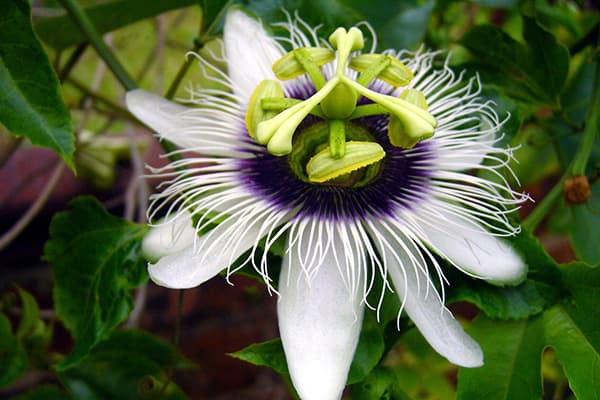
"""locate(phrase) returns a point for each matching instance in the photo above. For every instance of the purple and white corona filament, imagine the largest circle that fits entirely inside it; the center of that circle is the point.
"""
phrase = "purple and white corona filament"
(360, 162)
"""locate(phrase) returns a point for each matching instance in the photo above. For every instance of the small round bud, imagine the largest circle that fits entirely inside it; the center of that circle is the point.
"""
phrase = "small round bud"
(577, 189)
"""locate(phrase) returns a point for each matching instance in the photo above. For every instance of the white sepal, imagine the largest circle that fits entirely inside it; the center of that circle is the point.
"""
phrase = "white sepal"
(421, 301)
(169, 236)
(250, 52)
(319, 323)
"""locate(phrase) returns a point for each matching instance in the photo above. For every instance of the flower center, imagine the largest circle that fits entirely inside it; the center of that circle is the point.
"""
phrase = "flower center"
(332, 151)
(311, 142)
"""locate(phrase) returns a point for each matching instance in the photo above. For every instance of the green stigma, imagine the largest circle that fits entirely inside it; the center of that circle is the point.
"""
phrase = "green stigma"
(273, 119)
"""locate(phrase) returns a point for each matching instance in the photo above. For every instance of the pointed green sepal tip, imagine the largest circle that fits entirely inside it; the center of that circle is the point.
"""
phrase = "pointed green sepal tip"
(256, 114)
(292, 65)
(323, 167)
(389, 69)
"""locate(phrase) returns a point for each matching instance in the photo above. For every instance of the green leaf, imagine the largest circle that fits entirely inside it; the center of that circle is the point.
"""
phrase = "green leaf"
(60, 32)
(211, 10)
(507, 4)
(406, 29)
(534, 72)
(421, 372)
(578, 94)
(30, 316)
(369, 350)
(576, 349)
(399, 24)
(584, 226)
(13, 359)
(44, 392)
(96, 261)
(382, 384)
(512, 349)
(128, 365)
(31, 104)
(529, 298)
(512, 355)
(540, 291)
(368, 353)
(572, 329)
(549, 59)
(266, 354)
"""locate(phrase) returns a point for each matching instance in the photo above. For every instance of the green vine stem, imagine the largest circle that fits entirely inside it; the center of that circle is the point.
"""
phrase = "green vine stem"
(545, 206)
(592, 125)
(80, 18)
(579, 162)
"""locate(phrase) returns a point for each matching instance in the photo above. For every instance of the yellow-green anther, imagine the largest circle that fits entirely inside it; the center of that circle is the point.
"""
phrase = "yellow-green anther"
(371, 71)
(340, 103)
(416, 123)
(415, 97)
(346, 42)
(304, 60)
(421, 120)
(399, 133)
(256, 113)
(384, 67)
(323, 167)
(337, 138)
(279, 130)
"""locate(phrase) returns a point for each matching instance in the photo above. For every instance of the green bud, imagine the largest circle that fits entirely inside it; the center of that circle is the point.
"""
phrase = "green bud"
(384, 67)
(291, 65)
(256, 113)
(340, 103)
(323, 167)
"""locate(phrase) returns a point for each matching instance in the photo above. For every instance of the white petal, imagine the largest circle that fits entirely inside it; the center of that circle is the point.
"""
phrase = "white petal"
(424, 307)
(250, 52)
(211, 254)
(475, 250)
(155, 111)
(208, 130)
(319, 323)
(170, 236)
